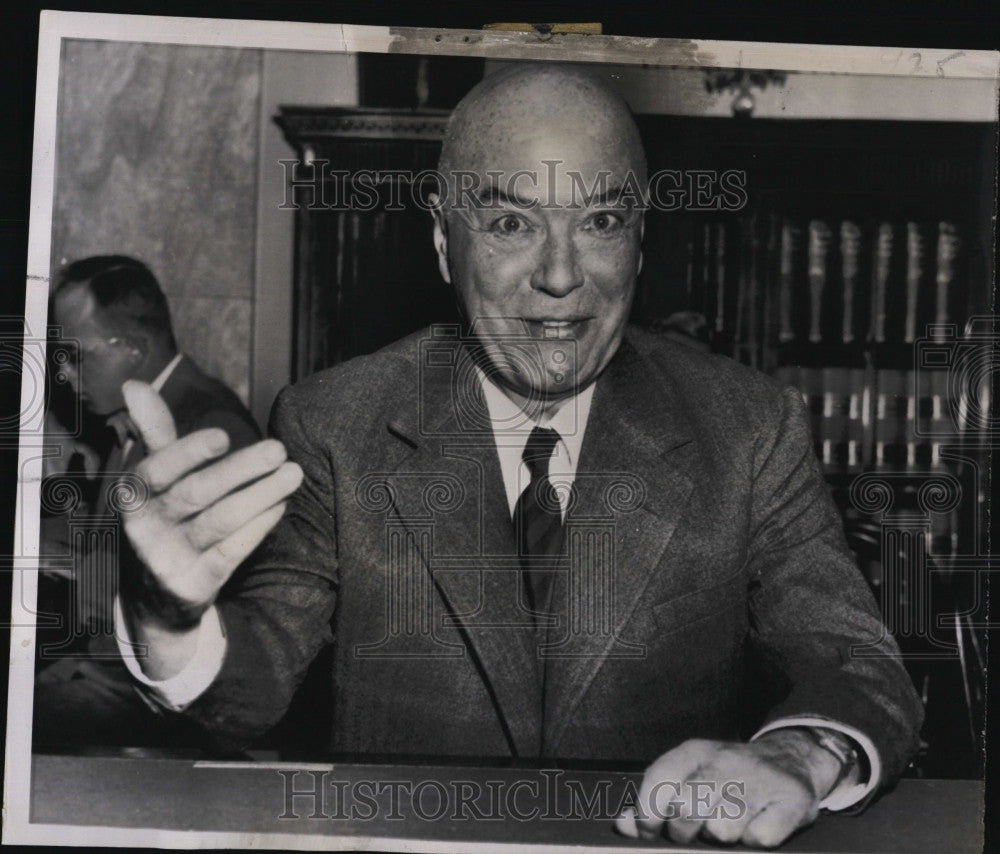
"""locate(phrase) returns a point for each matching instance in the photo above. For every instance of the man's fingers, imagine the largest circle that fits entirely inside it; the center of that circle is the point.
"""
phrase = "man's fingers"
(625, 823)
(219, 561)
(683, 830)
(203, 488)
(662, 793)
(183, 496)
(236, 510)
(171, 463)
(150, 414)
(728, 814)
(777, 821)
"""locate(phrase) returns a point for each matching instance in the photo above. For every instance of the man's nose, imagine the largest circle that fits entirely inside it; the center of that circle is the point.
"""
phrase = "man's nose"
(558, 271)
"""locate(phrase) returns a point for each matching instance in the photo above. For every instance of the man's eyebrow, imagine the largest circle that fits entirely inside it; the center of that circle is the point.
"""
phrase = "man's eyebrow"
(611, 196)
(491, 195)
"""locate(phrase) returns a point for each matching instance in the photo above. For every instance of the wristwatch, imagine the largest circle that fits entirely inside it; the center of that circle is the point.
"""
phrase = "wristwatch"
(839, 745)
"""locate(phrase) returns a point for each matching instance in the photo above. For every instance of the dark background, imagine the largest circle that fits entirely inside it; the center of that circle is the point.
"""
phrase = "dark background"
(940, 23)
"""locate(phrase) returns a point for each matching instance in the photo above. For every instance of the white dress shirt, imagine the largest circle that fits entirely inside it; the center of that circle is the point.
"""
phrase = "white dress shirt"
(511, 427)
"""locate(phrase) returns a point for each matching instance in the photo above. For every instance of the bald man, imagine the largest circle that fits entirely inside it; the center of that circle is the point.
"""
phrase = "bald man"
(545, 535)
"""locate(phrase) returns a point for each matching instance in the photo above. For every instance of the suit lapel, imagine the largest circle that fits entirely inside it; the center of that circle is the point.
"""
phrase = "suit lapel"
(633, 484)
(472, 552)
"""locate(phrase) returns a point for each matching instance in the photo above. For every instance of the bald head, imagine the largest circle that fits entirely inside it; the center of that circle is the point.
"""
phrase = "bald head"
(527, 115)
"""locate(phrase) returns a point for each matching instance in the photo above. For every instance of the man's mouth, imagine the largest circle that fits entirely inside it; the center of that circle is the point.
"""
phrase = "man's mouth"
(556, 329)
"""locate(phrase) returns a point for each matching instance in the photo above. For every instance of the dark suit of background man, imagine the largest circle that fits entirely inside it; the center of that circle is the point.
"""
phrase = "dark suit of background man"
(447, 497)
(112, 314)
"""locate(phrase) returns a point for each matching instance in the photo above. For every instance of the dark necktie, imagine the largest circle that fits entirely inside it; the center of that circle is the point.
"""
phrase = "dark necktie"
(538, 518)
(119, 429)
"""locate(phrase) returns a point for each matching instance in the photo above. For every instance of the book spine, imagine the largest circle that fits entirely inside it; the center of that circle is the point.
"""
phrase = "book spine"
(890, 423)
(948, 246)
(856, 415)
(819, 245)
(910, 431)
(834, 423)
(850, 248)
(791, 242)
(915, 260)
(880, 280)
(771, 277)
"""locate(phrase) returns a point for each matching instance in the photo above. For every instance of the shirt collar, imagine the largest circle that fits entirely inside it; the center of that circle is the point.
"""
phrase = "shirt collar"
(511, 425)
(164, 375)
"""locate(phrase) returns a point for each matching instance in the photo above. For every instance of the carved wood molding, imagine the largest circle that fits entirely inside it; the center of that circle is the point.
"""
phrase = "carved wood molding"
(311, 127)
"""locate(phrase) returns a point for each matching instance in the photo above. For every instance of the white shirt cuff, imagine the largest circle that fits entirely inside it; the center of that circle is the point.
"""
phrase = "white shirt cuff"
(184, 688)
(845, 794)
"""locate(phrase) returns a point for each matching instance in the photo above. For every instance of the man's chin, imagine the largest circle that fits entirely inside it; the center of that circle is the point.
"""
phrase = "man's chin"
(538, 393)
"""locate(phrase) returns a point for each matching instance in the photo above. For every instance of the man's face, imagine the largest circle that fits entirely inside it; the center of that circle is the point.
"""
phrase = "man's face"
(101, 361)
(534, 259)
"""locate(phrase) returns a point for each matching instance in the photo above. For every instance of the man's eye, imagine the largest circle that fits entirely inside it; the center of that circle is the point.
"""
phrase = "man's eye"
(604, 222)
(510, 224)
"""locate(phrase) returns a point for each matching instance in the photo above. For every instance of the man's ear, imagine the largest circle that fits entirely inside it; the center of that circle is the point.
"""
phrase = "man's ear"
(440, 235)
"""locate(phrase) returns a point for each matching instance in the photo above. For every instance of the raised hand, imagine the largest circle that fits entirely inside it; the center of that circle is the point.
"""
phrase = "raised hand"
(201, 520)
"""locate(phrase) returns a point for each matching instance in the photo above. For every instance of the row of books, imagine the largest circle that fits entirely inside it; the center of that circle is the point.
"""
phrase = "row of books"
(768, 280)
(877, 323)
(901, 286)
(889, 419)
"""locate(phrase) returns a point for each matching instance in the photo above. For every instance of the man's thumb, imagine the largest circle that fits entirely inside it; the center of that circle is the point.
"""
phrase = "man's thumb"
(150, 414)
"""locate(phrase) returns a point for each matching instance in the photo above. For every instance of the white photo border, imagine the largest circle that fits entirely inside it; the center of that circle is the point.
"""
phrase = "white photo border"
(973, 65)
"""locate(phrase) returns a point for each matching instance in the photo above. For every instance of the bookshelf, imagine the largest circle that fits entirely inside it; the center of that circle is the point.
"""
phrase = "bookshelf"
(860, 272)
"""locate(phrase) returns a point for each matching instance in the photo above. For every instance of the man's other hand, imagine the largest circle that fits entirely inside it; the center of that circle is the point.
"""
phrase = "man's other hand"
(757, 793)
(200, 521)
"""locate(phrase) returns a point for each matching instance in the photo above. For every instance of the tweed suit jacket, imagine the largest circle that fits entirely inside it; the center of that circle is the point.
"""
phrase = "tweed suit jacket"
(700, 515)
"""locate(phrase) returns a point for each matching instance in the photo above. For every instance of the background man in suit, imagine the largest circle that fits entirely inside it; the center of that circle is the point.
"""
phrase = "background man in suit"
(111, 311)
(482, 457)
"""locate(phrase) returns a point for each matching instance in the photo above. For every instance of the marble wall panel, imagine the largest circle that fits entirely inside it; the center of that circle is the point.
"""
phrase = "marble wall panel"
(157, 158)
